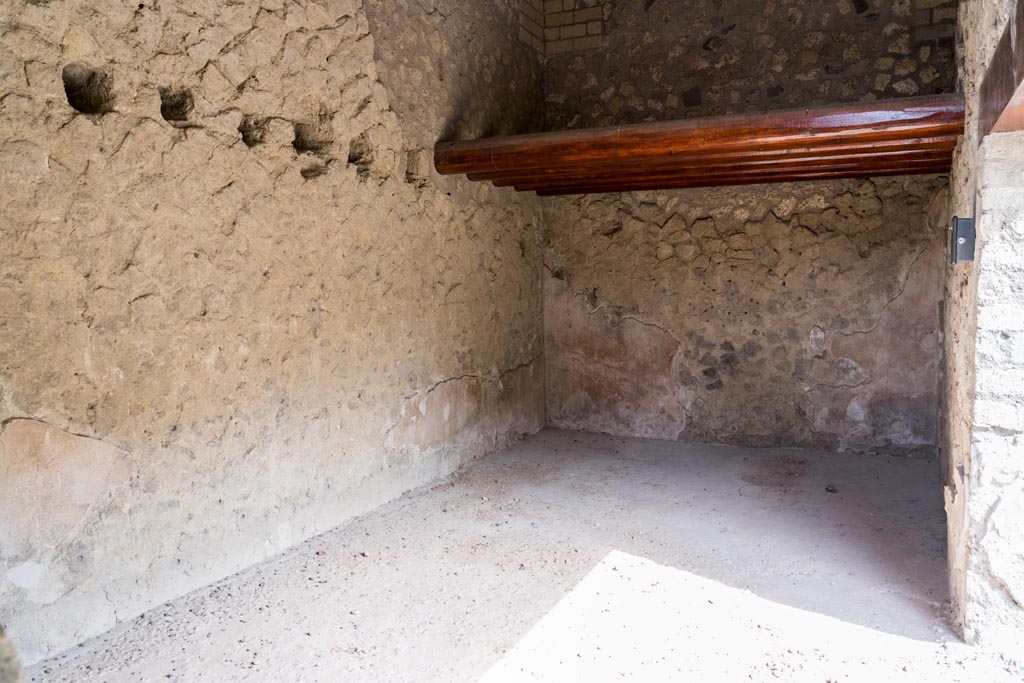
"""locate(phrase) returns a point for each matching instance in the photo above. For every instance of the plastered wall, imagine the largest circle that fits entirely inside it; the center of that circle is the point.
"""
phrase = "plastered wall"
(798, 314)
(983, 407)
(236, 305)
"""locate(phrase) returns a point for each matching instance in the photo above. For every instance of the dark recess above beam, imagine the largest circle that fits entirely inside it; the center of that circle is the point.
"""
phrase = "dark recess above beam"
(894, 137)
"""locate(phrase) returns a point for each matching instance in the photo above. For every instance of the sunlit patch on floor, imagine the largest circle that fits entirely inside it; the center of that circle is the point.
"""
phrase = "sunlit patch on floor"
(633, 619)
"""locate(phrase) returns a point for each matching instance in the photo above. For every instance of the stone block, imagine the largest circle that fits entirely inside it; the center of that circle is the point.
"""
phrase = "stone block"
(588, 43)
(573, 31)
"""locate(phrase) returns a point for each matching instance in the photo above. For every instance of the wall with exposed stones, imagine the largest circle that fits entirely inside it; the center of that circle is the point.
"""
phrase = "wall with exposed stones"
(552, 26)
(237, 307)
(798, 314)
(983, 408)
(673, 59)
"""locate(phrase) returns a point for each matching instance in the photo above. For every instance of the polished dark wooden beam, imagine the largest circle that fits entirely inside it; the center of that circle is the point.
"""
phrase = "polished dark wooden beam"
(855, 124)
(790, 144)
(803, 155)
(859, 161)
(739, 178)
(1002, 89)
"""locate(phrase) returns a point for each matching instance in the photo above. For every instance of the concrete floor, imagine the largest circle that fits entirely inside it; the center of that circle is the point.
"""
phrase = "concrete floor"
(518, 569)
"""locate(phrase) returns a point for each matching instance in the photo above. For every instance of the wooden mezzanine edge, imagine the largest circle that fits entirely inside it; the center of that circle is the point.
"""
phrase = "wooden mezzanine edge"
(1002, 89)
(893, 137)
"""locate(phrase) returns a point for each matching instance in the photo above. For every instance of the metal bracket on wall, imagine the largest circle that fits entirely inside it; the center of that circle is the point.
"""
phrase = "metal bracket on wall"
(964, 235)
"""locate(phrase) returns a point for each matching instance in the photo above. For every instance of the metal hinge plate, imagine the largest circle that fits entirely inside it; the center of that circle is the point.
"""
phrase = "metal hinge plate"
(964, 235)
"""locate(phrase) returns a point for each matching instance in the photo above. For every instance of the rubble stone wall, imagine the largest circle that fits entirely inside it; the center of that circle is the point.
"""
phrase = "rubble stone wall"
(674, 59)
(237, 306)
(797, 314)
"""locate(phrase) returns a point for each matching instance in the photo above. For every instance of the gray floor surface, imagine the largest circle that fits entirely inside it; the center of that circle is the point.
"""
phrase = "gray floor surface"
(441, 584)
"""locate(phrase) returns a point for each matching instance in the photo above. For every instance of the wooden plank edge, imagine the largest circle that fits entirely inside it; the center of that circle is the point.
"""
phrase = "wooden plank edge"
(945, 143)
(625, 151)
(789, 165)
(1002, 90)
(736, 179)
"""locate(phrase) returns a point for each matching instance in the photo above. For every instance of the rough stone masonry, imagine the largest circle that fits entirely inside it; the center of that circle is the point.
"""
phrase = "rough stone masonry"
(674, 59)
(236, 308)
(803, 314)
(799, 314)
